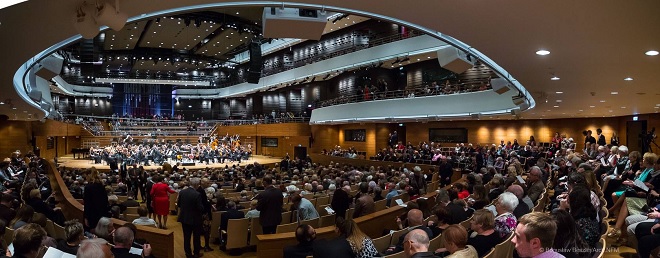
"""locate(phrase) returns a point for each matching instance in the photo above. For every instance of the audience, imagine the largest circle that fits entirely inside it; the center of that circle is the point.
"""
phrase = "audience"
(568, 241)
(143, 219)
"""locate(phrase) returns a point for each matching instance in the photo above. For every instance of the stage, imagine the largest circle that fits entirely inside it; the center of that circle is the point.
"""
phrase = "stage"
(69, 162)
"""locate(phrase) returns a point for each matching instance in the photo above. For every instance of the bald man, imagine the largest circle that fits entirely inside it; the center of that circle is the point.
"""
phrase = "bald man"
(416, 245)
(535, 183)
(415, 220)
(522, 207)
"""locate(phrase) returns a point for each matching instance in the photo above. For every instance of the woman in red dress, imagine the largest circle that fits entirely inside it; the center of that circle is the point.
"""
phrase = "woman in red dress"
(160, 196)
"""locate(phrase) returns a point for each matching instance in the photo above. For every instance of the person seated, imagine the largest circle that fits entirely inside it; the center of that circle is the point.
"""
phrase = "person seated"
(455, 238)
(305, 234)
(443, 221)
(40, 206)
(578, 204)
(305, 208)
(483, 223)
(131, 202)
(73, 235)
(415, 221)
(253, 212)
(94, 248)
(231, 213)
(522, 208)
(143, 219)
(568, 242)
(24, 215)
(361, 244)
(505, 222)
(416, 245)
(104, 228)
(534, 236)
(123, 239)
(27, 240)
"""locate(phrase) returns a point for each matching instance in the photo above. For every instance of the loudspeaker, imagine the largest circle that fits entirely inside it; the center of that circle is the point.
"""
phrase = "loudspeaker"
(256, 63)
(300, 152)
(500, 85)
(294, 23)
(515, 112)
(476, 116)
(455, 60)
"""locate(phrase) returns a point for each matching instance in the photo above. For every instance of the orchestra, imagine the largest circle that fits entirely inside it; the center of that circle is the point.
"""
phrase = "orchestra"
(211, 150)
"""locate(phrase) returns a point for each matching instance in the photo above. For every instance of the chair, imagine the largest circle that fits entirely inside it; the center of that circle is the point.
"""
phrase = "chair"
(349, 213)
(396, 235)
(59, 232)
(380, 205)
(504, 249)
(131, 217)
(286, 217)
(382, 243)
(9, 236)
(283, 228)
(396, 255)
(326, 221)
(436, 243)
(131, 210)
(215, 223)
(50, 229)
(323, 200)
(255, 229)
(466, 223)
(237, 233)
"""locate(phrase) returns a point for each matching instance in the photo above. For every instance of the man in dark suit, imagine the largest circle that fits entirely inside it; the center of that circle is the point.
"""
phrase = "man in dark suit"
(333, 248)
(305, 234)
(415, 221)
(365, 204)
(190, 216)
(270, 206)
(123, 239)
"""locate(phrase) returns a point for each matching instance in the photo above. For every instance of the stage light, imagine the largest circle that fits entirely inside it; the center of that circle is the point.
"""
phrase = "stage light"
(110, 16)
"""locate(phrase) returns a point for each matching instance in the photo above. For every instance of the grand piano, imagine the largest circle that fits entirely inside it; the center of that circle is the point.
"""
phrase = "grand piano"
(83, 151)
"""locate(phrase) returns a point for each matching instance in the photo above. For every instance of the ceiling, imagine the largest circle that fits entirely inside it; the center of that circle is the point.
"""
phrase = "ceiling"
(593, 44)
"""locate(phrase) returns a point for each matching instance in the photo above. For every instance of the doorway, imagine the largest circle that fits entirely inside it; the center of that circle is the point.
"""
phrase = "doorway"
(635, 129)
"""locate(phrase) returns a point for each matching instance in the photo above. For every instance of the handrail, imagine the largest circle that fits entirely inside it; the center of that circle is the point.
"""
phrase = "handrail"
(417, 90)
(72, 209)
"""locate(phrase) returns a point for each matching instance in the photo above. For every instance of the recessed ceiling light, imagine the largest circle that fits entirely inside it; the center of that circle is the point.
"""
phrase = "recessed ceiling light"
(614, 92)
(592, 106)
(559, 92)
(602, 101)
(623, 107)
(628, 79)
(652, 53)
(556, 106)
(555, 78)
(559, 101)
(236, 12)
(580, 110)
(543, 52)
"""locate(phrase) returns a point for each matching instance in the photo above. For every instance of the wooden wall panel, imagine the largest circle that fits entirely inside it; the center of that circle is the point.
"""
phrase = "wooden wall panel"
(55, 128)
(15, 135)
(324, 137)
(274, 130)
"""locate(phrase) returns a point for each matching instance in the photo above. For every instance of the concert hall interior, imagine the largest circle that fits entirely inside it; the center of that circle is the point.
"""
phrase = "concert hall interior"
(395, 129)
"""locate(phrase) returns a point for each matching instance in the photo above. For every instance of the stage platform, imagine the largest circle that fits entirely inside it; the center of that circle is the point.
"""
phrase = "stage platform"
(69, 162)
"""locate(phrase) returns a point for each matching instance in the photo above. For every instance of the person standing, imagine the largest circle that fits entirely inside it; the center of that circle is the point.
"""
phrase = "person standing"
(270, 206)
(160, 200)
(95, 199)
(191, 209)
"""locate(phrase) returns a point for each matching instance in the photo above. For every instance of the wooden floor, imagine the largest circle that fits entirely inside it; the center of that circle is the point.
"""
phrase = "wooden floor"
(69, 162)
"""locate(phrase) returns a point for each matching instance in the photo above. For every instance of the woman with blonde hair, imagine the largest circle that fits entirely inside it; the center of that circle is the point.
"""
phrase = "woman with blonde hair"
(361, 244)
